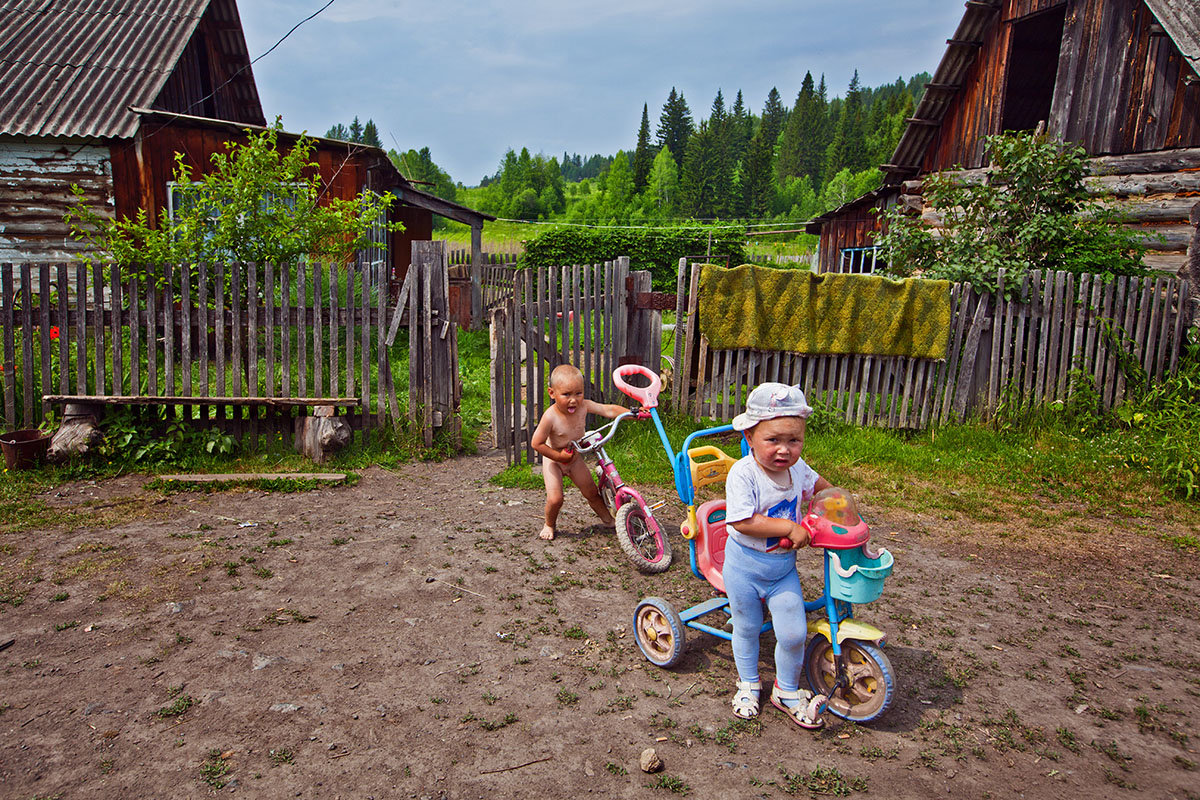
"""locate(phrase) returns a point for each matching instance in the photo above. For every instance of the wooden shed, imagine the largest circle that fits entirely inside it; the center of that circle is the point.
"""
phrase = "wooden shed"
(102, 94)
(1118, 77)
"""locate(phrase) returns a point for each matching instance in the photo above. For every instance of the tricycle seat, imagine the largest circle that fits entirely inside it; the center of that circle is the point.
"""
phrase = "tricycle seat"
(710, 542)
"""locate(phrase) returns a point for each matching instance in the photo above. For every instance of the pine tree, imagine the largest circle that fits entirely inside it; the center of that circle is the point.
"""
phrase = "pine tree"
(756, 185)
(356, 130)
(675, 125)
(721, 129)
(742, 127)
(773, 117)
(848, 150)
(697, 179)
(792, 143)
(643, 155)
(370, 135)
(339, 132)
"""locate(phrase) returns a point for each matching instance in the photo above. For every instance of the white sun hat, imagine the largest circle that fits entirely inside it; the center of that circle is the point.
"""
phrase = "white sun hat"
(771, 400)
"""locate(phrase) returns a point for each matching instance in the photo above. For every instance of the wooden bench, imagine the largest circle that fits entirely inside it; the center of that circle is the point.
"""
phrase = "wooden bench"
(315, 436)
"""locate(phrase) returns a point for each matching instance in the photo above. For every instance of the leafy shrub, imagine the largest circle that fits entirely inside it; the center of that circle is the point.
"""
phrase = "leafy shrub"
(1030, 211)
(657, 250)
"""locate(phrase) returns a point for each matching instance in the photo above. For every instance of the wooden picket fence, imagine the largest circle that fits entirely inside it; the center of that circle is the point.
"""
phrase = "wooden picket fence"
(581, 315)
(225, 331)
(1027, 349)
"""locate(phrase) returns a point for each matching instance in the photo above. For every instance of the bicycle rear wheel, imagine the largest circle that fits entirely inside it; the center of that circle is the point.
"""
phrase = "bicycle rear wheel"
(647, 548)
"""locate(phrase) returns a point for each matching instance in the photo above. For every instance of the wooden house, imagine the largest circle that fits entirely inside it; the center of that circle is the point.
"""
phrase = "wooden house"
(102, 93)
(1118, 77)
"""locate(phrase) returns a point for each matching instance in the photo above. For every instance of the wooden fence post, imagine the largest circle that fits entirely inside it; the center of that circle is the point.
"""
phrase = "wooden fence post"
(476, 276)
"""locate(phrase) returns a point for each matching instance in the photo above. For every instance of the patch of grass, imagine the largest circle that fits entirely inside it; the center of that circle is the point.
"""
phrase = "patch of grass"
(575, 632)
(214, 768)
(280, 755)
(62, 626)
(615, 768)
(821, 781)
(283, 616)
(61, 596)
(517, 476)
(671, 784)
(177, 708)
(495, 725)
(566, 697)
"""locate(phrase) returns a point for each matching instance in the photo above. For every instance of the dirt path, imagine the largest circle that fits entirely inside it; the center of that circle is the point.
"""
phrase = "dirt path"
(409, 637)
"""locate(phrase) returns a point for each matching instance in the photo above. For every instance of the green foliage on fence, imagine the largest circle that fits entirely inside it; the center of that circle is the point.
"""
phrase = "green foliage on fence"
(657, 250)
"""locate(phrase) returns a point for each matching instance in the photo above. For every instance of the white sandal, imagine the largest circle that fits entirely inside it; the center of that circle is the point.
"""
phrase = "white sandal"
(807, 710)
(745, 700)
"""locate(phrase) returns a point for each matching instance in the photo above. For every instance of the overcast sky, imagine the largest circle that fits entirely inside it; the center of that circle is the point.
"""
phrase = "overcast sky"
(472, 78)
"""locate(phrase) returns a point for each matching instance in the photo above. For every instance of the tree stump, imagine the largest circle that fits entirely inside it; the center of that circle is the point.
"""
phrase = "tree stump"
(79, 433)
(321, 434)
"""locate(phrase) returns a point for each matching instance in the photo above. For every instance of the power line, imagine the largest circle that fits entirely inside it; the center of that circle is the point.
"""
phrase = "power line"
(697, 224)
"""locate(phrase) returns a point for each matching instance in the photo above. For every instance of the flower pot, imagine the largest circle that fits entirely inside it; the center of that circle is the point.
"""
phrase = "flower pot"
(24, 449)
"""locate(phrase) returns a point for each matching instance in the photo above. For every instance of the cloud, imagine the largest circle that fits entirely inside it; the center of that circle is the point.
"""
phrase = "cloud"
(471, 79)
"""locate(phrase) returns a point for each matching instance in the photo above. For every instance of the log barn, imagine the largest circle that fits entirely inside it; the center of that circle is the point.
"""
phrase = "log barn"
(1118, 77)
(103, 93)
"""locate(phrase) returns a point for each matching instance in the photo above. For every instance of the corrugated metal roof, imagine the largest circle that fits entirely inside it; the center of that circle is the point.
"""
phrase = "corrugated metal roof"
(1181, 20)
(74, 67)
(960, 54)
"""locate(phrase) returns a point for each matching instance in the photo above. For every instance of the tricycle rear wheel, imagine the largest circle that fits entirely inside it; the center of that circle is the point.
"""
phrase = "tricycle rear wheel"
(658, 631)
(646, 546)
(871, 679)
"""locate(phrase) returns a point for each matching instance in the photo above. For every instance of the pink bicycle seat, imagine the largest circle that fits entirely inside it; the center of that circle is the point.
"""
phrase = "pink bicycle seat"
(646, 396)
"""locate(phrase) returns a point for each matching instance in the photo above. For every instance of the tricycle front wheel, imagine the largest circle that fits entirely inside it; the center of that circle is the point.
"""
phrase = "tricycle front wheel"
(645, 543)
(870, 679)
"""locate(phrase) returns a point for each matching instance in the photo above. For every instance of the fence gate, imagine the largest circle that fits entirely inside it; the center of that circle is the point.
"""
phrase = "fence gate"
(582, 315)
(434, 383)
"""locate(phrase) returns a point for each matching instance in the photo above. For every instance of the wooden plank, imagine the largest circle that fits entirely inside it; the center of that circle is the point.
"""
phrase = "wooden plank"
(426, 331)
(269, 308)
(1079, 325)
(286, 329)
(185, 297)
(538, 315)
(381, 350)
(1045, 326)
(97, 325)
(228, 477)
(237, 305)
(334, 337)
(681, 299)
(202, 324)
(495, 341)
(1143, 303)
(64, 332)
(318, 331)
(1051, 375)
(302, 330)
(252, 284)
(152, 339)
(1104, 343)
(970, 355)
(1164, 345)
(1151, 358)
(998, 355)
(1092, 319)
(1182, 317)
(943, 388)
(195, 400)
(701, 372)
(8, 322)
(351, 319)
(44, 331)
(1031, 329)
(169, 318)
(576, 313)
(683, 370)
(1127, 317)
(365, 338)
(528, 301)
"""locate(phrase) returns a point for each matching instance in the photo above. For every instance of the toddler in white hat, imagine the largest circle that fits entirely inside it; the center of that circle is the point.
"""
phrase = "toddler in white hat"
(767, 493)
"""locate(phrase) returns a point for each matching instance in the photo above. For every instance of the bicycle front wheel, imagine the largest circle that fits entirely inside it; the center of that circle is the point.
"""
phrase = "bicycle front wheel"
(644, 542)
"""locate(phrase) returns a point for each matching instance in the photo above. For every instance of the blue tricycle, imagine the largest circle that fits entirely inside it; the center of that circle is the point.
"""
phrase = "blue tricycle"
(844, 659)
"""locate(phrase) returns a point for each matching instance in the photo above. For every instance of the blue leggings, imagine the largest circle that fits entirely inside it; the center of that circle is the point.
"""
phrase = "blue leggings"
(750, 577)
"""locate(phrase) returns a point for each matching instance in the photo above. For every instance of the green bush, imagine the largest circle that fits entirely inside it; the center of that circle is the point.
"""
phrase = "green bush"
(657, 250)
(1031, 211)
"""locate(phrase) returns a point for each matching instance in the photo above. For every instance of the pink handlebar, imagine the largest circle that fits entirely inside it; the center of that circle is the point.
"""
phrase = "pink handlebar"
(646, 396)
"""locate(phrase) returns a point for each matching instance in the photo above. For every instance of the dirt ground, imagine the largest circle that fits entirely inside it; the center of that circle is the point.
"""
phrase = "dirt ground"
(409, 636)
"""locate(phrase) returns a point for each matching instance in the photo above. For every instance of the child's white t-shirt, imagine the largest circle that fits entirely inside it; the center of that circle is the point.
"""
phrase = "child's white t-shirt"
(749, 491)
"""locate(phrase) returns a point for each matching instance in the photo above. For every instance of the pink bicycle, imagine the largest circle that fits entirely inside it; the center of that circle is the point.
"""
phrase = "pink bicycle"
(638, 532)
